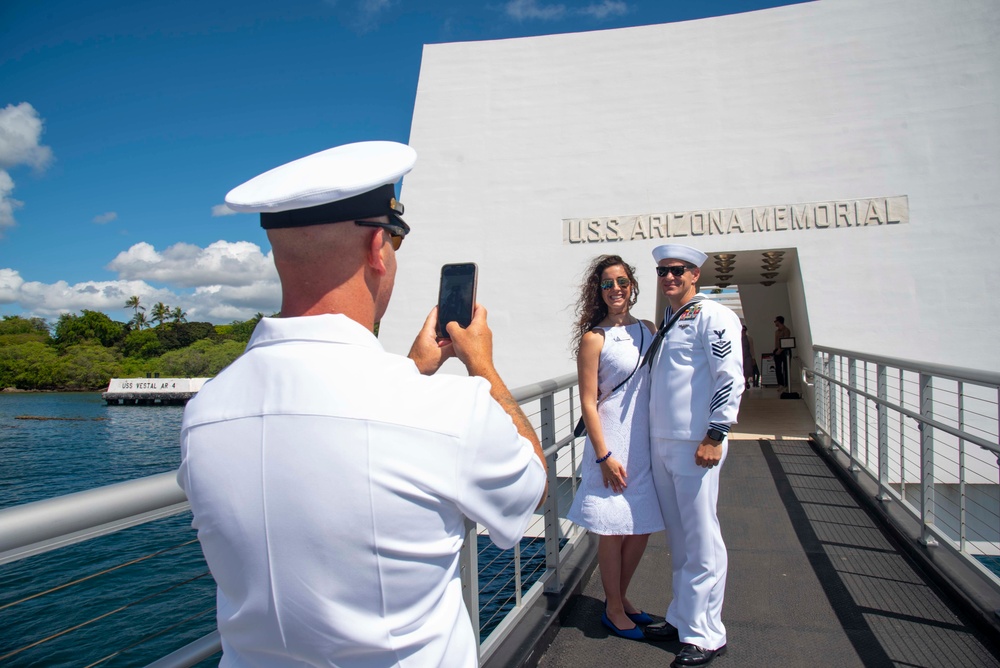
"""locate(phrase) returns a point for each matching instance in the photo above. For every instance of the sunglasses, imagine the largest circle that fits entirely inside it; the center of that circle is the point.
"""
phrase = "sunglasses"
(396, 230)
(676, 271)
(609, 283)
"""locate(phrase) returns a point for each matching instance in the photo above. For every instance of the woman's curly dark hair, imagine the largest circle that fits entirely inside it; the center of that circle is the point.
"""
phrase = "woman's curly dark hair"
(590, 307)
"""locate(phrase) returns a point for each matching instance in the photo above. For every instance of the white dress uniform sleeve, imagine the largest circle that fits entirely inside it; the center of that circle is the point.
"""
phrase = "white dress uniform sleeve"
(500, 476)
(724, 349)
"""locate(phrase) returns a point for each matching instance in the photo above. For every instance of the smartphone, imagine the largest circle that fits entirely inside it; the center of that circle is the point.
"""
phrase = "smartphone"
(457, 295)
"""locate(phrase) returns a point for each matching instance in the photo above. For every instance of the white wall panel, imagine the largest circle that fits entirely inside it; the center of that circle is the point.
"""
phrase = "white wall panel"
(829, 100)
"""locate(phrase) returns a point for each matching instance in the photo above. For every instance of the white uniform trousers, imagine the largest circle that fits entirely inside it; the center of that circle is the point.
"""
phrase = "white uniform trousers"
(688, 497)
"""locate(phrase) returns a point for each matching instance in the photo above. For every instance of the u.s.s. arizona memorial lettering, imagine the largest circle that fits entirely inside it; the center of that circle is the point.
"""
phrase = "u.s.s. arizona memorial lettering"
(876, 211)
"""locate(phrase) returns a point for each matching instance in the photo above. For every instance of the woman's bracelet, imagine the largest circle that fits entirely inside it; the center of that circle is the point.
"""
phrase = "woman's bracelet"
(601, 460)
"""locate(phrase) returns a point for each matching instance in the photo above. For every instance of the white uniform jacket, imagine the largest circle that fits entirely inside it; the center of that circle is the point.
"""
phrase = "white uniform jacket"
(697, 374)
(330, 482)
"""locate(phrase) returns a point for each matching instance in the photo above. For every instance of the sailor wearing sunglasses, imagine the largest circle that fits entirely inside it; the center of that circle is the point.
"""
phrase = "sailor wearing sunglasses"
(329, 479)
(697, 380)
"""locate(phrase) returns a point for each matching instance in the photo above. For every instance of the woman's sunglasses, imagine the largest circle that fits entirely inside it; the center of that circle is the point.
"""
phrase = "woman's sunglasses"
(622, 281)
(676, 271)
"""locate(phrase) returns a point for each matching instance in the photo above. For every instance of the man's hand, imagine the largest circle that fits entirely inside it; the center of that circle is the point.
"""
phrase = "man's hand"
(473, 345)
(708, 454)
(428, 352)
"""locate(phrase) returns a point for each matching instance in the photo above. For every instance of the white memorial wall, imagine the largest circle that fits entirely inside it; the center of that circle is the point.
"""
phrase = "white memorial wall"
(864, 135)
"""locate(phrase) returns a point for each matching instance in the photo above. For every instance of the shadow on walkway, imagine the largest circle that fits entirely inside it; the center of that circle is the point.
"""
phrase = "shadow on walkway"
(813, 581)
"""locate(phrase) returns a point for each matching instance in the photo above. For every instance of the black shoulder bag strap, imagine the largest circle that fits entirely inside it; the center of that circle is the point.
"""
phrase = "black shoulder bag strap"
(662, 332)
(638, 362)
(581, 428)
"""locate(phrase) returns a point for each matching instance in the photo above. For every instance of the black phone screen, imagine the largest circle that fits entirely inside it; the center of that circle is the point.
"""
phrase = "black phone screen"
(457, 295)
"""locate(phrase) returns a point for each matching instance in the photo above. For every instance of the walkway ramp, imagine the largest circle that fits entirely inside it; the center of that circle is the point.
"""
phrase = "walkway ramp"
(813, 579)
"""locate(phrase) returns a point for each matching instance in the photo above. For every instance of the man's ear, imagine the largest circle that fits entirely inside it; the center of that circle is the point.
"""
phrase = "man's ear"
(374, 256)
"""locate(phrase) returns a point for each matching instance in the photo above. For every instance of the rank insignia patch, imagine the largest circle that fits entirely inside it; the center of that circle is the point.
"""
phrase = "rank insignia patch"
(691, 313)
(721, 396)
(722, 349)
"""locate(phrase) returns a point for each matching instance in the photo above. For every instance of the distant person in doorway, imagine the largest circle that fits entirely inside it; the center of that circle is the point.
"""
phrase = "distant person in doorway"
(781, 354)
(616, 498)
(750, 371)
(696, 383)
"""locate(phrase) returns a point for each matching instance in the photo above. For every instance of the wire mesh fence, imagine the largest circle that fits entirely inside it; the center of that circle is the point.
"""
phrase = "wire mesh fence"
(928, 435)
(131, 596)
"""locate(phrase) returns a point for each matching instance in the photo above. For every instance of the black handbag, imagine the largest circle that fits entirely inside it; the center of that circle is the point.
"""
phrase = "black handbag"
(581, 429)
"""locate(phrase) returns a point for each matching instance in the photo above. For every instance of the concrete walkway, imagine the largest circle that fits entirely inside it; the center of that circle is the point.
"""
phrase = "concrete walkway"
(813, 580)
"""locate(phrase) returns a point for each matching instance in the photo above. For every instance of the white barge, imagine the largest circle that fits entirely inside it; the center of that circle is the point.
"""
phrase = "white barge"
(152, 391)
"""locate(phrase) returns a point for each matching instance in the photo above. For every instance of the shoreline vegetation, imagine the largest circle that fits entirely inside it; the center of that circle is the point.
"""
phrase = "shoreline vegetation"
(69, 419)
(82, 353)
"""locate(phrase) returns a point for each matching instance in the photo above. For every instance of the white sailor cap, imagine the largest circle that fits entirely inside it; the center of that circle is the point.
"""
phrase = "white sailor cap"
(679, 252)
(344, 183)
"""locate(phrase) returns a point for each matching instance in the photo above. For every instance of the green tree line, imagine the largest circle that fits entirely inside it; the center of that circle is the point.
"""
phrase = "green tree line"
(85, 351)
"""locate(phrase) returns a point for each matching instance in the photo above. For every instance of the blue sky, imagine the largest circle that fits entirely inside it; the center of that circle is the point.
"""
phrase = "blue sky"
(123, 125)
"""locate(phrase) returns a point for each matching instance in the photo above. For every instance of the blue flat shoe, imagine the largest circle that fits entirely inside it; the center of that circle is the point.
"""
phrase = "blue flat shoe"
(640, 617)
(634, 633)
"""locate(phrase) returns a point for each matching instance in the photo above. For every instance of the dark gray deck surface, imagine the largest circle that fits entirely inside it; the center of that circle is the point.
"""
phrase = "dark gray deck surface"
(813, 581)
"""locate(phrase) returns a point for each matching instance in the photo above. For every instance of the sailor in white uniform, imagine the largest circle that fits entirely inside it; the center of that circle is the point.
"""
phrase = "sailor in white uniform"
(329, 479)
(697, 380)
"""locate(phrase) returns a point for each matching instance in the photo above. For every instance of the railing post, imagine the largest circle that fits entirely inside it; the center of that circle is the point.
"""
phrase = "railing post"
(832, 402)
(818, 408)
(468, 567)
(883, 433)
(961, 467)
(926, 461)
(572, 447)
(852, 411)
(902, 442)
(547, 413)
(868, 436)
(518, 576)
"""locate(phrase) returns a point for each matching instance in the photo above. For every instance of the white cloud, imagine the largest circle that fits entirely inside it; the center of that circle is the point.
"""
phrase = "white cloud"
(10, 285)
(7, 203)
(222, 210)
(106, 217)
(236, 264)
(374, 6)
(222, 303)
(522, 10)
(20, 132)
(369, 12)
(48, 300)
(223, 282)
(528, 10)
(217, 303)
(606, 8)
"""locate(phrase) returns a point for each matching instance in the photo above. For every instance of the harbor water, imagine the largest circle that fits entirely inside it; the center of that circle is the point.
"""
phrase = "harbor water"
(131, 597)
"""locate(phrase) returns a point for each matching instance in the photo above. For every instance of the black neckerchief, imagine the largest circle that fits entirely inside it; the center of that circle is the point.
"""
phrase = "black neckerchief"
(664, 328)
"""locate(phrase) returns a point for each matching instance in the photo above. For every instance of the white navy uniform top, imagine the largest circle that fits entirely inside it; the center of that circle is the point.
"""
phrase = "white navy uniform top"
(329, 482)
(697, 374)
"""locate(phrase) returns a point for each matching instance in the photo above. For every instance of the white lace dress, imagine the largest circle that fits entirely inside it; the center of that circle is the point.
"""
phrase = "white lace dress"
(625, 423)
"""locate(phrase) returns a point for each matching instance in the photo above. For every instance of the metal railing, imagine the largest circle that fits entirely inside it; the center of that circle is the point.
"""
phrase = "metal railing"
(530, 570)
(927, 436)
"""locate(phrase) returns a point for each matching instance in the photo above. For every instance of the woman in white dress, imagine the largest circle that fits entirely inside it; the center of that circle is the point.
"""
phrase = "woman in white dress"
(616, 498)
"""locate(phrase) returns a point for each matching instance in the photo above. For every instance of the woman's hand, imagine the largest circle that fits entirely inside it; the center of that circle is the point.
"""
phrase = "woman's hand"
(614, 475)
